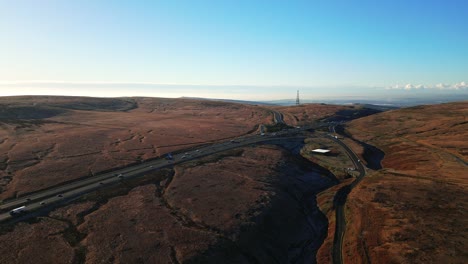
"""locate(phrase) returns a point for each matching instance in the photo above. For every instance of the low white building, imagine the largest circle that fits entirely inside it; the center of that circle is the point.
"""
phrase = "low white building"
(321, 151)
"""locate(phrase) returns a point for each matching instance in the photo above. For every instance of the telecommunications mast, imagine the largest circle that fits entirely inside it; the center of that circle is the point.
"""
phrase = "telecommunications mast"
(297, 98)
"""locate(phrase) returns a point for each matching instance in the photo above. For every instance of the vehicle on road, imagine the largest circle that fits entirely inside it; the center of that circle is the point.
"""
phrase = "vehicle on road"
(169, 156)
(18, 211)
(42, 203)
(60, 195)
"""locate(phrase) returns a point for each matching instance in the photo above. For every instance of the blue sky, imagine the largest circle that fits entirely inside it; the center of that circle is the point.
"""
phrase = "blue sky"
(232, 49)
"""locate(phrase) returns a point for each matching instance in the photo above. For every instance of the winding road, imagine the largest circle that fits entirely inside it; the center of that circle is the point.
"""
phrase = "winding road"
(340, 200)
(53, 196)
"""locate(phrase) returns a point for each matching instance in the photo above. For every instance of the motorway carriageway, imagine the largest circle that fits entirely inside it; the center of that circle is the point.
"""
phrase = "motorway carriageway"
(73, 190)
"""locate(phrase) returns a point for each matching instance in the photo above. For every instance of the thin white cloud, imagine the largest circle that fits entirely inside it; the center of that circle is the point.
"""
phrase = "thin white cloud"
(150, 89)
(108, 83)
(409, 87)
(439, 86)
(462, 85)
(33, 82)
(442, 86)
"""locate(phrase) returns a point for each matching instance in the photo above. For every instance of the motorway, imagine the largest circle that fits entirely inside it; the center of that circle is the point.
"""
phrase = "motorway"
(340, 200)
(278, 117)
(50, 197)
(59, 194)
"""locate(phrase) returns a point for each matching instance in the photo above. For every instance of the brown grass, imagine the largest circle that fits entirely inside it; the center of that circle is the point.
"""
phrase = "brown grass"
(106, 133)
(414, 210)
(42, 242)
(309, 113)
(306, 113)
(227, 208)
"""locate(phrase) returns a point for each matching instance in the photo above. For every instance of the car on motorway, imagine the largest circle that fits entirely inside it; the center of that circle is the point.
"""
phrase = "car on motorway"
(42, 203)
(60, 195)
(183, 157)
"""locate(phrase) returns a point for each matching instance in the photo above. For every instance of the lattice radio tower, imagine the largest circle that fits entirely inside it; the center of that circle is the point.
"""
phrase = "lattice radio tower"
(297, 98)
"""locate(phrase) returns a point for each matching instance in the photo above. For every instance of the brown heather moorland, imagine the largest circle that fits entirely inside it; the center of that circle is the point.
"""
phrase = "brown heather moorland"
(414, 209)
(48, 140)
(254, 203)
(307, 113)
(250, 203)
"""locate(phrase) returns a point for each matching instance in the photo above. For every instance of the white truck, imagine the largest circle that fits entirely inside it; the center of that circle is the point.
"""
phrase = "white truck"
(18, 211)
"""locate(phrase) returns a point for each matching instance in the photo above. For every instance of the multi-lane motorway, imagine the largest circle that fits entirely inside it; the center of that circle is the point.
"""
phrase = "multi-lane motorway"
(59, 194)
(66, 192)
(278, 117)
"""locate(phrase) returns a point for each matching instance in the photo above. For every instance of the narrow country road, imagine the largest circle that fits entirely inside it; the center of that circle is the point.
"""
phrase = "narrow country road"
(58, 195)
(340, 200)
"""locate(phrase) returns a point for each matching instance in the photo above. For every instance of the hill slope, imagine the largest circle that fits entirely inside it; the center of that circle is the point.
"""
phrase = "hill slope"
(46, 140)
(413, 210)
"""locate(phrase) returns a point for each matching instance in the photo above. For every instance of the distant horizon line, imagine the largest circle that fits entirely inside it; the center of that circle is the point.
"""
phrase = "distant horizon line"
(19, 82)
(462, 85)
(333, 97)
